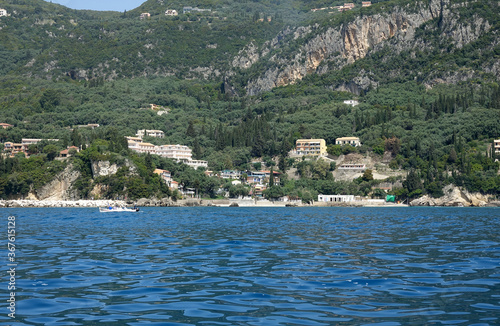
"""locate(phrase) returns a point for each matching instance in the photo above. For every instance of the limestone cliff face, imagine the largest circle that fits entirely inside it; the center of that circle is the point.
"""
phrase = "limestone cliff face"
(335, 47)
(453, 196)
(61, 187)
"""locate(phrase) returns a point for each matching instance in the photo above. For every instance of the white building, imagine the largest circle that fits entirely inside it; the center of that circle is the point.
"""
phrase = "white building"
(353, 141)
(496, 143)
(351, 102)
(171, 12)
(336, 198)
(150, 133)
(180, 153)
(145, 15)
(3, 12)
(361, 167)
(177, 152)
(197, 164)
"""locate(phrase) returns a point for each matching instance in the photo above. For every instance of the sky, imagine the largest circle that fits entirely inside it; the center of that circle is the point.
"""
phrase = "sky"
(101, 5)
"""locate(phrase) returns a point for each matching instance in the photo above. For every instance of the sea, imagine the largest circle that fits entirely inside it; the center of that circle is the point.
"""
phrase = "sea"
(251, 266)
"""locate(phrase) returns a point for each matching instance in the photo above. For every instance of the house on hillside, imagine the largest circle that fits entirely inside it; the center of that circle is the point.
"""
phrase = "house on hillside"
(351, 102)
(3, 13)
(150, 133)
(5, 125)
(366, 3)
(171, 12)
(353, 141)
(315, 147)
(145, 15)
(496, 144)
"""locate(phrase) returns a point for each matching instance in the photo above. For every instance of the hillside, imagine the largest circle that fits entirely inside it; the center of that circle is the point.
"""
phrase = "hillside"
(241, 88)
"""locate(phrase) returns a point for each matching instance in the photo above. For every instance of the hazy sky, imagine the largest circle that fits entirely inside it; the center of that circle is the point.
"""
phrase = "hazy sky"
(116, 5)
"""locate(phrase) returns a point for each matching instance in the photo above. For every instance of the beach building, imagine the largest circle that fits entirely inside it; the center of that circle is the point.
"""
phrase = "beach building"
(336, 198)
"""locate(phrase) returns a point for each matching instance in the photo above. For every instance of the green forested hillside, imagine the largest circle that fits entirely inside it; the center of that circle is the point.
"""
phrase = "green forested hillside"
(434, 109)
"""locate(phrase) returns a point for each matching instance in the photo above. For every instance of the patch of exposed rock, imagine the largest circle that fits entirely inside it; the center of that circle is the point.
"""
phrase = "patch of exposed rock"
(453, 196)
(60, 188)
(61, 203)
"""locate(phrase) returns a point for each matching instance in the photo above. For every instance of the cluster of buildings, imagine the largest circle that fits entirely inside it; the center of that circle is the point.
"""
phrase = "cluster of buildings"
(345, 7)
(257, 180)
(173, 12)
(317, 147)
(12, 148)
(180, 153)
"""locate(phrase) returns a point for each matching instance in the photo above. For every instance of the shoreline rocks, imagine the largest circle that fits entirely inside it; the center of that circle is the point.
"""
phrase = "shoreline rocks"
(454, 196)
(60, 203)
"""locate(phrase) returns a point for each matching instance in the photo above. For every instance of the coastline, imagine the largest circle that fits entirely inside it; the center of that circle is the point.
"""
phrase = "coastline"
(28, 203)
(166, 202)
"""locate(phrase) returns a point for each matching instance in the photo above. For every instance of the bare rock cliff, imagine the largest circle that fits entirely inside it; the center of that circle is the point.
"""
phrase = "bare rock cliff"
(453, 196)
(335, 47)
(61, 187)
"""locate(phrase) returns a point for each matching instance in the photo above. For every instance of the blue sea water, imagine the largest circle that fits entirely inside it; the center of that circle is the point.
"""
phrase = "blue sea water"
(255, 266)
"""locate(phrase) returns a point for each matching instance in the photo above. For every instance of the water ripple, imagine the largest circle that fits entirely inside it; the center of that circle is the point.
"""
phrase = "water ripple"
(213, 266)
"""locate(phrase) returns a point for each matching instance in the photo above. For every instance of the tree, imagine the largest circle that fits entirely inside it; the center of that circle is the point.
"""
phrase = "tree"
(367, 175)
(393, 145)
(413, 184)
(273, 192)
(452, 158)
(320, 169)
(51, 151)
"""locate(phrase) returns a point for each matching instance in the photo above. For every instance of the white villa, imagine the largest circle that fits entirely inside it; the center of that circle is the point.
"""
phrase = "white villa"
(353, 141)
(171, 12)
(336, 198)
(351, 102)
(3, 12)
(180, 153)
(150, 133)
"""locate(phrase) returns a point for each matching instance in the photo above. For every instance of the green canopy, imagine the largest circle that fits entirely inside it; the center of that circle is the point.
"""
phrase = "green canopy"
(390, 198)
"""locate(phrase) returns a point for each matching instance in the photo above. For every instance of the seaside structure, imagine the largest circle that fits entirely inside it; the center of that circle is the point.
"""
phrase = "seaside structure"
(353, 141)
(336, 198)
(315, 147)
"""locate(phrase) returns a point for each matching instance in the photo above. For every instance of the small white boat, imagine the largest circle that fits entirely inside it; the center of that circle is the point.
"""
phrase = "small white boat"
(118, 209)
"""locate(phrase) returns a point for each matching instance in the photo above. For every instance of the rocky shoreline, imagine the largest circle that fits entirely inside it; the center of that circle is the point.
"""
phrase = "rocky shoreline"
(453, 196)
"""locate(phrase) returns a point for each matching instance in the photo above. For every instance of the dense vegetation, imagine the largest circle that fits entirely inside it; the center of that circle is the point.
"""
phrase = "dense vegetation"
(440, 135)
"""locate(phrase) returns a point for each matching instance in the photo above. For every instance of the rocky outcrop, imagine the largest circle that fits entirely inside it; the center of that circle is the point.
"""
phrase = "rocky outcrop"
(61, 203)
(453, 196)
(103, 168)
(335, 47)
(61, 187)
